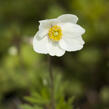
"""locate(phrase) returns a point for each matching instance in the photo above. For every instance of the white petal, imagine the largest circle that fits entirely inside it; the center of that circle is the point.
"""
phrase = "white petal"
(72, 29)
(54, 49)
(71, 44)
(43, 32)
(48, 23)
(45, 26)
(68, 18)
(71, 39)
(47, 46)
(40, 45)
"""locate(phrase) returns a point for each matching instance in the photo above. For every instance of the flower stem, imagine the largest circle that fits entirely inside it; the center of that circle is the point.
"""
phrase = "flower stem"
(51, 83)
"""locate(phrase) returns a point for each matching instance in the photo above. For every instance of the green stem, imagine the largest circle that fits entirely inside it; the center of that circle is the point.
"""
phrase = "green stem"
(51, 83)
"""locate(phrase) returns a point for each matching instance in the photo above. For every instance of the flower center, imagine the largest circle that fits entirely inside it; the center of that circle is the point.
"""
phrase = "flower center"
(55, 33)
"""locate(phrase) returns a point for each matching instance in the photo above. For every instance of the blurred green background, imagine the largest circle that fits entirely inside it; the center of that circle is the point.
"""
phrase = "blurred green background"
(83, 74)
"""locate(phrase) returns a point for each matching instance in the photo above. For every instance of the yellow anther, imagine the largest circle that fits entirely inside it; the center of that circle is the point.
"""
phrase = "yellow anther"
(55, 33)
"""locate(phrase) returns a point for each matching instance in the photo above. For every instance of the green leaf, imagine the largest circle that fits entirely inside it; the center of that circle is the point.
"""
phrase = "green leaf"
(36, 100)
(26, 106)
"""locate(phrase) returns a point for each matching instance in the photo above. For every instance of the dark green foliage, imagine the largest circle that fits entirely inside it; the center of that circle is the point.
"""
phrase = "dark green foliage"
(41, 97)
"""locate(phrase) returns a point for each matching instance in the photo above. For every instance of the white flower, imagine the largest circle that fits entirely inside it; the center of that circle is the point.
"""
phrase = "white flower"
(55, 36)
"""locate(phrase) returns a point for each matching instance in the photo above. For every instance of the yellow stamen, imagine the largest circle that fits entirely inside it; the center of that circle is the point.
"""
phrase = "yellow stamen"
(55, 33)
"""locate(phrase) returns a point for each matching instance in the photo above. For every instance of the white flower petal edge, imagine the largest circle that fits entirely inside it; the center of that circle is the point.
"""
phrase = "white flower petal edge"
(40, 45)
(71, 40)
(73, 29)
(71, 44)
(55, 50)
(68, 18)
(45, 46)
